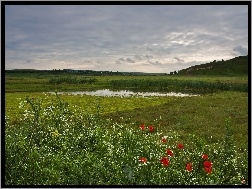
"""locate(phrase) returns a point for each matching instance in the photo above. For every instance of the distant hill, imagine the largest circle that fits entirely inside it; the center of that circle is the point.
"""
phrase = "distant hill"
(232, 67)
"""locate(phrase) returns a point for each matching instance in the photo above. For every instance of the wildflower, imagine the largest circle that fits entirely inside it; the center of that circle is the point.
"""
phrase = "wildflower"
(208, 166)
(169, 152)
(164, 161)
(243, 181)
(204, 156)
(142, 127)
(151, 128)
(143, 160)
(164, 140)
(208, 169)
(180, 146)
(55, 133)
(189, 167)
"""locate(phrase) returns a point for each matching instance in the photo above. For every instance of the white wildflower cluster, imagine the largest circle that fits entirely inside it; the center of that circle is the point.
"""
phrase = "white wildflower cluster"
(21, 104)
(27, 114)
(7, 118)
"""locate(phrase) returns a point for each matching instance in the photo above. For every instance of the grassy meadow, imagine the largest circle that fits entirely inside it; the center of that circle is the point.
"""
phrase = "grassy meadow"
(53, 139)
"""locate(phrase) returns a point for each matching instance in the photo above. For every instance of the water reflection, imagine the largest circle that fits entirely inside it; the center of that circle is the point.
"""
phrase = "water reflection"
(124, 93)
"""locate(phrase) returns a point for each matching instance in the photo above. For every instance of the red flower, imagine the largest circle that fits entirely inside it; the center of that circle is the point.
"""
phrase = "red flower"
(169, 152)
(208, 166)
(164, 140)
(189, 167)
(208, 169)
(180, 146)
(164, 161)
(151, 128)
(204, 156)
(142, 127)
(142, 160)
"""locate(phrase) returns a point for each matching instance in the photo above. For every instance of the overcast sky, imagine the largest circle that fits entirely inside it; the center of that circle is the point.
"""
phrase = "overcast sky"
(142, 38)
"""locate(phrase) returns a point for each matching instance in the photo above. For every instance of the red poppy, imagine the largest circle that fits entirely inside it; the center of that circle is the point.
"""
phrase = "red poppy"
(204, 156)
(164, 161)
(169, 152)
(151, 128)
(142, 127)
(164, 140)
(208, 166)
(143, 160)
(208, 169)
(180, 146)
(189, 167)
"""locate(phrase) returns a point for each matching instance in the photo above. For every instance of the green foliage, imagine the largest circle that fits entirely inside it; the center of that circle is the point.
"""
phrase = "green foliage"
(179, 85)
(57, 144)
(71, 80)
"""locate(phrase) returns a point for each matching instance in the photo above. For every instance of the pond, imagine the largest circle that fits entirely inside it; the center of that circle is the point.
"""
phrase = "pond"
(124, 93)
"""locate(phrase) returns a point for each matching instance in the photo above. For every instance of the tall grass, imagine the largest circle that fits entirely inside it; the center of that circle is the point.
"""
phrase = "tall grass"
(55, 144)
(71, 80)
(181, 85)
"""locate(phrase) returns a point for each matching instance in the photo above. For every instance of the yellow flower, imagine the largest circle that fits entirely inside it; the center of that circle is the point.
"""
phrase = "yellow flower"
(55, 133)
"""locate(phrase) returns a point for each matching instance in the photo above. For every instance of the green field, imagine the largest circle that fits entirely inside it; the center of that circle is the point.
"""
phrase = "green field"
(68, 139)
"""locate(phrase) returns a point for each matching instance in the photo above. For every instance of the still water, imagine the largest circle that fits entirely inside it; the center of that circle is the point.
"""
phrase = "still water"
(123, 93)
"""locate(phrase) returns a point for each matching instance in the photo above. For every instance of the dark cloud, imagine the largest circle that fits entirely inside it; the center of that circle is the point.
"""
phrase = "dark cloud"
(178, 59)
(241, 50)
(118, 62)
(148, 49)
(121, 59)
(148, 56)
(137, 57)
(130, 60)
(28, 61)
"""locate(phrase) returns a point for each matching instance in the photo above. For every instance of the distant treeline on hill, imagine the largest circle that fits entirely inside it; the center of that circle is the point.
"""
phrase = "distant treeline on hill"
(80, 72)
(232, 67)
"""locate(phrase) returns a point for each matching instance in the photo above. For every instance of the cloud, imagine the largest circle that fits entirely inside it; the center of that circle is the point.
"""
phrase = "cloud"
(148, 56)
(241, 50)
(121, 59)
(178, 59)
(130, 60)
(154, 63)
(118, 62)
(149, 49)
(137, 57)
(28, 61)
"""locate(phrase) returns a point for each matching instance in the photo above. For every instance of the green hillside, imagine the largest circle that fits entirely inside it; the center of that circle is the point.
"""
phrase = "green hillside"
(232, 67)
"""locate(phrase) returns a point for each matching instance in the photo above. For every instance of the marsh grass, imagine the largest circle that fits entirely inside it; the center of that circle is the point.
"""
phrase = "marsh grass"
(35, 82)
(56, 143)
(180, 85)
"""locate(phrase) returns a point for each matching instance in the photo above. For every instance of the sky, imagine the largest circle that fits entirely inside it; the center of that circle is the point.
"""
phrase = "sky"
(124, 38)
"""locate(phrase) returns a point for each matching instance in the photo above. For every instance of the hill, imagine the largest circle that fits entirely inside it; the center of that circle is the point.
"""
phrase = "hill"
(232, 67)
